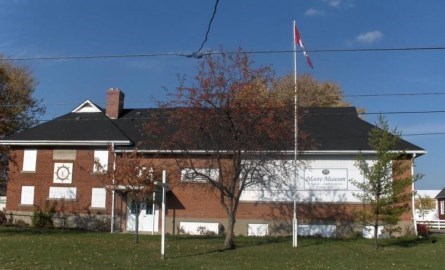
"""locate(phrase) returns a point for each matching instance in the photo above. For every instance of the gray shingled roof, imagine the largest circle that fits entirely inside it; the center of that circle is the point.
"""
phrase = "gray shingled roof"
(73, 127)
(441, 194)
(332, 129)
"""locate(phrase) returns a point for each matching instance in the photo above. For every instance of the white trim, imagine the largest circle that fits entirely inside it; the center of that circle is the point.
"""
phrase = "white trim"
(57, 142)
(86, 104)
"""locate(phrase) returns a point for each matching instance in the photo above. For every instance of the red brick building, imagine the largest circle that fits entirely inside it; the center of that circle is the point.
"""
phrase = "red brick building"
(54, 167)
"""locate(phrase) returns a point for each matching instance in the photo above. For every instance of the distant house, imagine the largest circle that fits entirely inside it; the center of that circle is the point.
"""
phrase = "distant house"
(55, 168)
(441, 204)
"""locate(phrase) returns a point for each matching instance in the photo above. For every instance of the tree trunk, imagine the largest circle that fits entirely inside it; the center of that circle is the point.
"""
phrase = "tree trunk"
(376, 234)
(136, 239)
(229, 241)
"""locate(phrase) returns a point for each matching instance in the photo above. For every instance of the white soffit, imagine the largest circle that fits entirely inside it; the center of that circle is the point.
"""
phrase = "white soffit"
(86, 107)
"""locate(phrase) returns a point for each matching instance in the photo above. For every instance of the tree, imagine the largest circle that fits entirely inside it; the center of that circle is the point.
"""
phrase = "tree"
(18, 110)
(311, 93)
(385, 190)
(134, 175)
(235, 119)
(425, 204)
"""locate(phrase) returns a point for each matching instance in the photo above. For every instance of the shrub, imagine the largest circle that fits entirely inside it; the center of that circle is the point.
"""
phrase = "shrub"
(43, 219)
(423, 230)
(3, 219)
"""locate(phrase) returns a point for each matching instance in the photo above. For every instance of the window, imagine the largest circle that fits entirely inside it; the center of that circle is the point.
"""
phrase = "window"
(257, 229)
(98, 197)
(62, 193)
(27, 196)
(199, 175)
(100, 156)
(442, 207)
(29, 160)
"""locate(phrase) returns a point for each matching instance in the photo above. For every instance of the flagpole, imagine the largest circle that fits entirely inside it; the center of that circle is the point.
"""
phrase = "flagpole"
(294, 219)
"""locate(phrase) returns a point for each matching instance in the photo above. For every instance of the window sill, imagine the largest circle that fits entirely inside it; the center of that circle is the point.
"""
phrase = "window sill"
(26, 205)
(28, 172)
(61, 199)
(98, 208)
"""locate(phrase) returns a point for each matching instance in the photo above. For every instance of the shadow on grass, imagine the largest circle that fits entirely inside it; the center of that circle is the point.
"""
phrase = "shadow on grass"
(408, 242)
(241, 243)
(30, 230)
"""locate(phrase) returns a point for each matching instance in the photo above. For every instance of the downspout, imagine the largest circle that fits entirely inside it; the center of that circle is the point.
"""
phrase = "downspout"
(413, 190)
(113, 190)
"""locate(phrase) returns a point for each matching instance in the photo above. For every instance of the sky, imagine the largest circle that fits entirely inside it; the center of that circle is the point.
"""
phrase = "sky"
(61, 28)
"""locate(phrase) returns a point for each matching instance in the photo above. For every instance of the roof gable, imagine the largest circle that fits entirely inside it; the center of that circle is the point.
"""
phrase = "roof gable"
(87, 107)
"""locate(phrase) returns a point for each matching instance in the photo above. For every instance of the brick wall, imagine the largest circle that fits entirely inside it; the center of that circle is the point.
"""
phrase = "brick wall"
(42, 179)
(186, 201)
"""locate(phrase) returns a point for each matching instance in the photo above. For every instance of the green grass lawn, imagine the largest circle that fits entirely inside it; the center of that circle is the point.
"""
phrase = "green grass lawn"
(56, 249)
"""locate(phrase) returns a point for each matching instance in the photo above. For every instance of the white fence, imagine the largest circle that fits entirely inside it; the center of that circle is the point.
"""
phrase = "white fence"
(433, 224)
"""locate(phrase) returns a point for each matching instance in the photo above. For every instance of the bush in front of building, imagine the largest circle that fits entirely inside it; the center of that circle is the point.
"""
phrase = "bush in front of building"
(423, 230)
(3, 219)
(42, 218)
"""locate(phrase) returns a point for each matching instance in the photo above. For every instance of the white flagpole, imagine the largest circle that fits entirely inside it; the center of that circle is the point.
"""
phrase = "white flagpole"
(294, 220)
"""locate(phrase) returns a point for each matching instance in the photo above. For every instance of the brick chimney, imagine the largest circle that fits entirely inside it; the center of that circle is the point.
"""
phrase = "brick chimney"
(115, 102)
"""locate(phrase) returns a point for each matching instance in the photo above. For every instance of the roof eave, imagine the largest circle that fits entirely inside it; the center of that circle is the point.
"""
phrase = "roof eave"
(417, 153)
(64, 143)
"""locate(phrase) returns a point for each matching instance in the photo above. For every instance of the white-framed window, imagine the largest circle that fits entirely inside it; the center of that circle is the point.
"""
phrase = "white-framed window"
(100, 156)
(199, 175)
(27, 195)
(442, 207)
(62, 193)
(98, 197)
(29, 160)
(257, 229)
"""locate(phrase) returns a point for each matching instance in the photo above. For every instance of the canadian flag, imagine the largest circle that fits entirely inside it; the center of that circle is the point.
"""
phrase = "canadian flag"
(299, 41)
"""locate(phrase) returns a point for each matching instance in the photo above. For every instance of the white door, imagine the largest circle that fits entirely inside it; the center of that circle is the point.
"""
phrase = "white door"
(148, 217)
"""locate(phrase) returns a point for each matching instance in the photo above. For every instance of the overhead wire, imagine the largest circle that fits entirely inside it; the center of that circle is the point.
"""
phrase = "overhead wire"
(197, 54)
(256, 98)
(190, 55)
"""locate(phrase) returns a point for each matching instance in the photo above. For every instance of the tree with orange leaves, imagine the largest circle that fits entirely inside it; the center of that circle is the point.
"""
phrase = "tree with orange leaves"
(134, 175)
(233, 117)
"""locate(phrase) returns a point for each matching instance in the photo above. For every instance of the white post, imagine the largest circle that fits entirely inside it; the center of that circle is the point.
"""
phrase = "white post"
(294, 219)
(113, 191)
(164, 184)
(153, 215)
(413, 199)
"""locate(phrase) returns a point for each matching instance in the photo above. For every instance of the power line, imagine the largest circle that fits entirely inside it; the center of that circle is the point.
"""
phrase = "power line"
(197, 53)
(172, 117)
(397, 94)
(254, 98)
(189, 55)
